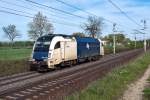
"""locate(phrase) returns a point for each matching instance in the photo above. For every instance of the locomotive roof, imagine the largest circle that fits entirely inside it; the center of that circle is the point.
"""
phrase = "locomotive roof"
(50, 36)
(63, 35)
(79, 39)
(86, 39)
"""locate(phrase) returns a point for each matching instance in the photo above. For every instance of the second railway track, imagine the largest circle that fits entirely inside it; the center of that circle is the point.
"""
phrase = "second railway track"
(56, 85)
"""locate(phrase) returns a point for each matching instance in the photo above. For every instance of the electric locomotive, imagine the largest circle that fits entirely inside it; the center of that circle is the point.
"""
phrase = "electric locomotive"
(52, 50)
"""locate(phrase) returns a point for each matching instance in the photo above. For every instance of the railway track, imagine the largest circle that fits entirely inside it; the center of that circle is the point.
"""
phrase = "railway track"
(56, 85)
(16, 78)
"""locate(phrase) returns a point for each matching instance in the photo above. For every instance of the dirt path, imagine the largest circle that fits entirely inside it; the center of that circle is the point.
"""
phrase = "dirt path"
(134, 91)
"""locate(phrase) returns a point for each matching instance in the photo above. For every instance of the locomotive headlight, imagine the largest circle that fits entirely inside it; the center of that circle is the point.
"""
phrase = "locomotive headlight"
(45, 60)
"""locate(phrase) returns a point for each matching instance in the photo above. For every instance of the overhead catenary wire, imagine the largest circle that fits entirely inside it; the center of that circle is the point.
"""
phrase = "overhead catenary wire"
(17, 5)
(39, 6)
(15, 10)
(87, 12)
(62, 11)
(24, 7)
(8, 12)
(125, 14)
(33, 15)
(45, 7)
(49, 11)
(23, 15)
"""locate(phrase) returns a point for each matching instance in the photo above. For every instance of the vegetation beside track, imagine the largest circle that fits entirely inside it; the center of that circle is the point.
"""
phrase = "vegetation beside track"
(14, 53)
(13, 67)
(112, 86)
(121, 48)
(14, 60)
(146, 91)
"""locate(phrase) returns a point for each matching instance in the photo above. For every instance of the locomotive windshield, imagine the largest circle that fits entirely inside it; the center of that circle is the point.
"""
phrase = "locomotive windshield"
(43, 44)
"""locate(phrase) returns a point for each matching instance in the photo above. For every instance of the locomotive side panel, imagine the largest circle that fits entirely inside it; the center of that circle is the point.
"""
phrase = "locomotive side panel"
(70, 50)
(63, 49)
(87, 47)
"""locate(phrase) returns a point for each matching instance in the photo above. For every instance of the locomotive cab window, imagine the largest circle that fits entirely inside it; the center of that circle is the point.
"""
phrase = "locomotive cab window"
(57, 45)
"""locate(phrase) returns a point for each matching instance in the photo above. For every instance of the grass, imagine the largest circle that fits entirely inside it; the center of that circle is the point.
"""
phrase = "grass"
(14, 54)
(14, 60)
(146, 91)
(120, 48)
(112, 86)
(13, 66)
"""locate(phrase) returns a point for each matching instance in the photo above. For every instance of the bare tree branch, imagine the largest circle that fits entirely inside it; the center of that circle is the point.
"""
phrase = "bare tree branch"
(39, 26)
(11, 32)
(93, 27)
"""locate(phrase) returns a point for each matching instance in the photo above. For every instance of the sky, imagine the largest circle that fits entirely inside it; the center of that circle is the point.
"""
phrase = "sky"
(135, 9)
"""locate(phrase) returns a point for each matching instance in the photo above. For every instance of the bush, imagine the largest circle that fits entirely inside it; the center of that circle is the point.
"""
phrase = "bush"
(18, 44)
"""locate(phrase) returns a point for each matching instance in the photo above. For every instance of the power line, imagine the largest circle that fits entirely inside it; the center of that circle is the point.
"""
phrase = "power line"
(10, 3)
(123, 12)
(39, 7)
(4, 11)
(74, 7)
(15, 10)
(6, 2)
(44, 9)
(89, 13)
(22, 15)
(31, 14)
(62, 11)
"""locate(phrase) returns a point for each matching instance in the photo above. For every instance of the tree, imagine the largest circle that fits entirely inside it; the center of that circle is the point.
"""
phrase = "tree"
(93, 26)
(39, 26)
(78, 34)
(109, 38)
(11, 32)
(120, 38)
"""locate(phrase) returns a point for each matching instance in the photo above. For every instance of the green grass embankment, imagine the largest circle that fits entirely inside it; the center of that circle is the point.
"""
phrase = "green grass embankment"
(14, 60)
(113, 85)
(14, 53)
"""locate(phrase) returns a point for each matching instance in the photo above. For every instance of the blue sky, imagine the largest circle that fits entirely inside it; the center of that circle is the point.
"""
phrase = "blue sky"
(136, 9)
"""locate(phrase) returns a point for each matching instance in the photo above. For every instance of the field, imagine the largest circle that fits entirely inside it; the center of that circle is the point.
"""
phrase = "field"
(14, 60)
(112, 86)
(14, 53)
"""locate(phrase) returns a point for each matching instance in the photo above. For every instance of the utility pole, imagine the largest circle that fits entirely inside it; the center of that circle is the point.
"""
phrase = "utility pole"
(135, 42)
(135, 37)
(144, 28)
(114, 38)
